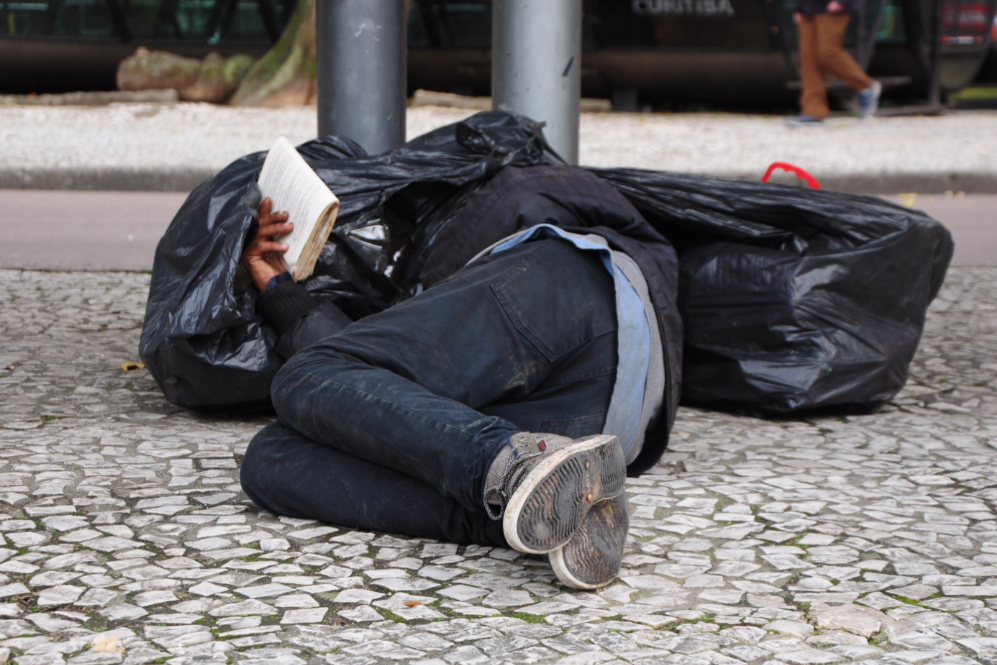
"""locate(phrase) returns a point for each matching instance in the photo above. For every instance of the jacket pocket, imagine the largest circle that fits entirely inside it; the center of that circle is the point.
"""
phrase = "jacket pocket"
(556, 320)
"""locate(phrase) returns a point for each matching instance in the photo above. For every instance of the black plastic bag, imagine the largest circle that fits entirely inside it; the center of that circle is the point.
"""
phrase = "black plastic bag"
(201, 338)
(793, 300)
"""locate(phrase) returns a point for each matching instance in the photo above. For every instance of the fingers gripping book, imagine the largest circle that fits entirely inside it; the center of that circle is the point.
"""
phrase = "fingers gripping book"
(295, 188)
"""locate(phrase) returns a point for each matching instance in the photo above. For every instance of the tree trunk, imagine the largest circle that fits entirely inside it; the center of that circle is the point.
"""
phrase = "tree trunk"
(285, 76)
(212, 79)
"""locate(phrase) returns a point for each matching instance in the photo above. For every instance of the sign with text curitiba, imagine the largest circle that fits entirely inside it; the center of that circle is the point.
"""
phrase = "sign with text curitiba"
(710, 8)
(681, 24)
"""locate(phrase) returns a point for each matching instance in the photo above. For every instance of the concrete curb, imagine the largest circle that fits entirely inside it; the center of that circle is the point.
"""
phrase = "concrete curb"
(103, 98)
(131, 179)
(105, 179)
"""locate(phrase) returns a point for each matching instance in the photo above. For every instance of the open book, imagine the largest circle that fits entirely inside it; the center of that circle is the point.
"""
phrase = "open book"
(295, 188)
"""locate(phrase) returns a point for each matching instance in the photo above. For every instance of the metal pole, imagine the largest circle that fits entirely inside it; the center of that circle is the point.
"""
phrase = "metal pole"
(536, 66)
(935, 74)
(361, 71)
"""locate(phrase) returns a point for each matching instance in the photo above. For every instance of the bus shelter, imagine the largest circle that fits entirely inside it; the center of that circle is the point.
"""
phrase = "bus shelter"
(636, 52)
(939, 44)
(713, 51)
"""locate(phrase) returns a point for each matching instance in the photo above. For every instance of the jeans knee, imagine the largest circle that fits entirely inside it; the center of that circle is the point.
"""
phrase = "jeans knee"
(279, 387)
(300, 383)
(255, 472)
(283, 388)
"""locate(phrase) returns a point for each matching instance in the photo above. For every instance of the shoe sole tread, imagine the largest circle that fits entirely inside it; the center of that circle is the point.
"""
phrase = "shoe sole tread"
(593, 557)
(549, 505)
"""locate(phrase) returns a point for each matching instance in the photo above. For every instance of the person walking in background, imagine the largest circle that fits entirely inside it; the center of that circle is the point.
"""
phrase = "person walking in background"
(822, 28)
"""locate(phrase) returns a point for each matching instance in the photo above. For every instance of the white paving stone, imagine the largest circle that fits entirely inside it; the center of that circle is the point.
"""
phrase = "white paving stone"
(302, 616)
(59, 595)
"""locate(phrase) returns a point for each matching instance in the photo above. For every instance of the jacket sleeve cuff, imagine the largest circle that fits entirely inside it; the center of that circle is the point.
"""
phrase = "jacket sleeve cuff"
(285, 304)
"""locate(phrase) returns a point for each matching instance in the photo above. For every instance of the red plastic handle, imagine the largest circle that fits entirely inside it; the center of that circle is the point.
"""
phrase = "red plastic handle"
(796, 170)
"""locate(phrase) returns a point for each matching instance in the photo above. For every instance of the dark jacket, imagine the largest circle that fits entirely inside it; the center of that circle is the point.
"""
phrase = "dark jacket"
(518, 198)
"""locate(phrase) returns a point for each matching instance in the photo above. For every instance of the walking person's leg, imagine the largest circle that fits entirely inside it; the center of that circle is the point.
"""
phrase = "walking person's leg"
(832, 55)
(813, 93)
(834, 58)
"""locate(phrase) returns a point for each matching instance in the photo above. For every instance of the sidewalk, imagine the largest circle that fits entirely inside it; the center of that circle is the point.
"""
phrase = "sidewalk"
(125, 538)
(172, 147)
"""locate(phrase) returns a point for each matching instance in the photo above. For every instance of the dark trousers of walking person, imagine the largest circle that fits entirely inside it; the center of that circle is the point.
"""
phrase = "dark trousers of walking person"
(392, 423)
(822, 52)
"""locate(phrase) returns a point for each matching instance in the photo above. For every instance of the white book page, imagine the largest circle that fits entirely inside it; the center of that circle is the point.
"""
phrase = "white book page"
(295, 188)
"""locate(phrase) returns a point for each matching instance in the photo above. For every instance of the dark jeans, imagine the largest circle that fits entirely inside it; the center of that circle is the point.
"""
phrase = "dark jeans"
(391, 424)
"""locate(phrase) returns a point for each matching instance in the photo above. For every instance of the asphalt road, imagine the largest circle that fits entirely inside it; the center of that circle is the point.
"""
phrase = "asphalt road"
(72, 230)
(80, 230)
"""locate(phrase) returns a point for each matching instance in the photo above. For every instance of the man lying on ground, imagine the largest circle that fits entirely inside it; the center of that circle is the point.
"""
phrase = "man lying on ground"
(505, 404)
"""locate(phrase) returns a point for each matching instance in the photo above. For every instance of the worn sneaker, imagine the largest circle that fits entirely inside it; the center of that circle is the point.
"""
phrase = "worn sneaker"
(804, 120)
(548, 493)
(593, 556)
(869, 99)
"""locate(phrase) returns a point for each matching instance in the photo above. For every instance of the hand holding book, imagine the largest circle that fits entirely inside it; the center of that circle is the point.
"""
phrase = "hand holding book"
(262, 256)
(292, 191)
(296, 189)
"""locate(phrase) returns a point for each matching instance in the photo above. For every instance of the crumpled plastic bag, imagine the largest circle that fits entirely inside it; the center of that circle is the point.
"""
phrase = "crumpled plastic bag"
(201, 338)
(792, 300)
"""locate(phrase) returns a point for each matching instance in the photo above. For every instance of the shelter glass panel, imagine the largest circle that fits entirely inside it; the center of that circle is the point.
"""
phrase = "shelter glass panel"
(88, 19)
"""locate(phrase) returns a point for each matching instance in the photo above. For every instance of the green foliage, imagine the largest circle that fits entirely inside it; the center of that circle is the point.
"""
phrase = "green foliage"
(909, 601)
(976, 93)
(388, 614)
(528, 618)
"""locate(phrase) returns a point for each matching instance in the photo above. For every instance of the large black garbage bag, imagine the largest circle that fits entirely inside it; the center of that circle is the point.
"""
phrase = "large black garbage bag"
(201, 338)
(792, 300)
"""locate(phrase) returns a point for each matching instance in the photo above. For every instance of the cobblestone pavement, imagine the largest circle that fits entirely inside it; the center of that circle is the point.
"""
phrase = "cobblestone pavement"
(124, 537)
